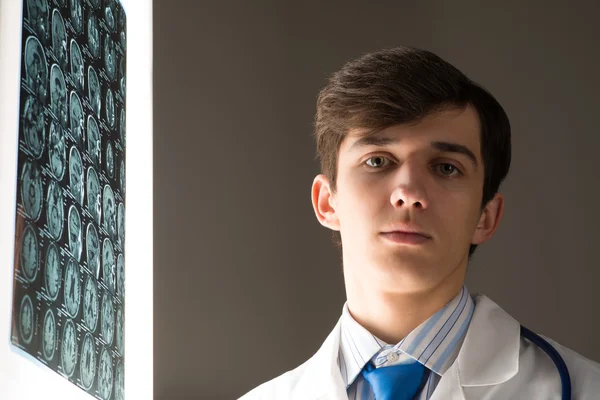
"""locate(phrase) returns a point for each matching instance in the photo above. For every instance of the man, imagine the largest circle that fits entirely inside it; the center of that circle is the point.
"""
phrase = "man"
(413, 154)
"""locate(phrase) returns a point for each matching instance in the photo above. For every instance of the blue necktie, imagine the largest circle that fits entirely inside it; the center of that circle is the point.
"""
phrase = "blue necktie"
(396, 382)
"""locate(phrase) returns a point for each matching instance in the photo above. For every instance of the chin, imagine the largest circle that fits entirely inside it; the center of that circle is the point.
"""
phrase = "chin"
(410, 267)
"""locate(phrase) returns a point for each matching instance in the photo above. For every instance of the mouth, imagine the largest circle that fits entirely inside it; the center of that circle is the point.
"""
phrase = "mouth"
(401, 237)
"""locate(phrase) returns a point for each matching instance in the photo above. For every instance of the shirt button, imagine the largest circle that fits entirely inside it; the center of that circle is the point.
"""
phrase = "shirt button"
(392, 357)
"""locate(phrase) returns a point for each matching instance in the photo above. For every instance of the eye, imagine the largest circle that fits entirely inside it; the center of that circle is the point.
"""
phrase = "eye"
(377, 161)
(447, 169)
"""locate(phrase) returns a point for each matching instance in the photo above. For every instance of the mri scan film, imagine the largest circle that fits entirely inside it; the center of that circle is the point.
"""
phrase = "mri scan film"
(68, 309)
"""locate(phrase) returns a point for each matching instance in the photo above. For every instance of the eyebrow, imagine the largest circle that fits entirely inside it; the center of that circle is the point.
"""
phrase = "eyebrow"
(449, 147)
(446, 147)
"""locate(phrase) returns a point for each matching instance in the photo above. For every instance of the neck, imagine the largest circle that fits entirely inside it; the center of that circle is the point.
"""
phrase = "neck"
(392, 315)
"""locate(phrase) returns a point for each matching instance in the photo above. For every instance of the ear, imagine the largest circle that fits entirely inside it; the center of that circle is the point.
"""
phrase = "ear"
(489, 220)
(323, 201)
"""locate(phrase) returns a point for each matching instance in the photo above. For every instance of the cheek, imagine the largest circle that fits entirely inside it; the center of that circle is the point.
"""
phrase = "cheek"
(359, 203)
(459, 217)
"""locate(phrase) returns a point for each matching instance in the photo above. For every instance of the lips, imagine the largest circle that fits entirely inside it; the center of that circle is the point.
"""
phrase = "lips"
(405, 237)
(410, 232)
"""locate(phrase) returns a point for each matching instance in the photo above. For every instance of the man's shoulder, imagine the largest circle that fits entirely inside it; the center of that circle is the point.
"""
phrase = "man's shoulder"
(573, 359)
(584, 373)
(279, 387)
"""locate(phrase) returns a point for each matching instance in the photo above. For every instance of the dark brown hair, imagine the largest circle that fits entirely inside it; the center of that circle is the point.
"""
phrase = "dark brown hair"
(403, 85)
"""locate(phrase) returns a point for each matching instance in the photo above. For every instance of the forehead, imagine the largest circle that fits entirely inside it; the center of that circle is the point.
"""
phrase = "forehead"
(457, 126)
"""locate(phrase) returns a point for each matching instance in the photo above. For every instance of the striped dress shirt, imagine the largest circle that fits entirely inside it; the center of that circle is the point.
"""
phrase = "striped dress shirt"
(435, 344)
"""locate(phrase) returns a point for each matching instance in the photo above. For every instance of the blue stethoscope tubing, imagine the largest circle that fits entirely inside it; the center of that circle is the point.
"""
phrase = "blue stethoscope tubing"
(565, 378)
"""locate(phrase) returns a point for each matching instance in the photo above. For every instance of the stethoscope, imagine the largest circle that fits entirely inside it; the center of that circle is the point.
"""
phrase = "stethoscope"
(565, 379)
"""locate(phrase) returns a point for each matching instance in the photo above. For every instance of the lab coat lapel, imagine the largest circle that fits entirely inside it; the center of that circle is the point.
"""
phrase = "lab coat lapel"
(488, 356)
(321, 378)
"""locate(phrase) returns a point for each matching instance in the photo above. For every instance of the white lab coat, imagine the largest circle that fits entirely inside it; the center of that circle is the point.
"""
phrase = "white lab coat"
(494, 362)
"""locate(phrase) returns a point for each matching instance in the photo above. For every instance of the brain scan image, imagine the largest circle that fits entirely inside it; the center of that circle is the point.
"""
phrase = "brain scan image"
(93, 195)
(123, 85)
(36, 68)
(107, 327)
(110, 108)
(68, 348)
(122, 76)
(105, 375)
(119, 382)
(77, 119)
(26, 319)
(30, 254)
(72, 291)
(110, 62)
(57, 151)
(58, 96)
(90, 304)
(120, 331)
(49, 335)
(92, 244)
(108, 265)
(37, 15)
(76, 175)
(110, 160)
(109, 212)
(59, 39)
(87, 364)
(94, 91)
(52, 275)
(121, 26)
(34, 129)
(122, 176)
(93, 33)
(55, 210)
(93, 140)
(121, 225)
(121, 275)
(77, 68)
(76, 15)
(75, 233)
(31, 190)
(122, 127)
(109, 14)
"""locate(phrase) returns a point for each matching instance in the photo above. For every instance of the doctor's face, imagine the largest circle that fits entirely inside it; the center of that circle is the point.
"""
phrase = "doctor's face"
(427, 176)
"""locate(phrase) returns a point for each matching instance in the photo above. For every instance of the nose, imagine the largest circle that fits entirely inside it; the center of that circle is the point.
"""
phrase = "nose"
(409, 190)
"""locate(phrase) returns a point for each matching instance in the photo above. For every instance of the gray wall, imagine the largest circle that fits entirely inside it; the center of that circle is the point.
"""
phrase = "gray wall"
(247, 284)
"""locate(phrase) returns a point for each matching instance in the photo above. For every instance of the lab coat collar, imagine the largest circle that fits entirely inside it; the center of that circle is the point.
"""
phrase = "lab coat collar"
(490, 352)
(489, 356)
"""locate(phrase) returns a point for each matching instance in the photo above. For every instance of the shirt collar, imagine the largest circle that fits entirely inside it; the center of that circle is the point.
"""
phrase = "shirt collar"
(435, 343)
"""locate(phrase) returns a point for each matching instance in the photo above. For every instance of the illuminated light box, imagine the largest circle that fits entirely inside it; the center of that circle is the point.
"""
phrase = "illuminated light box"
(76, 325)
